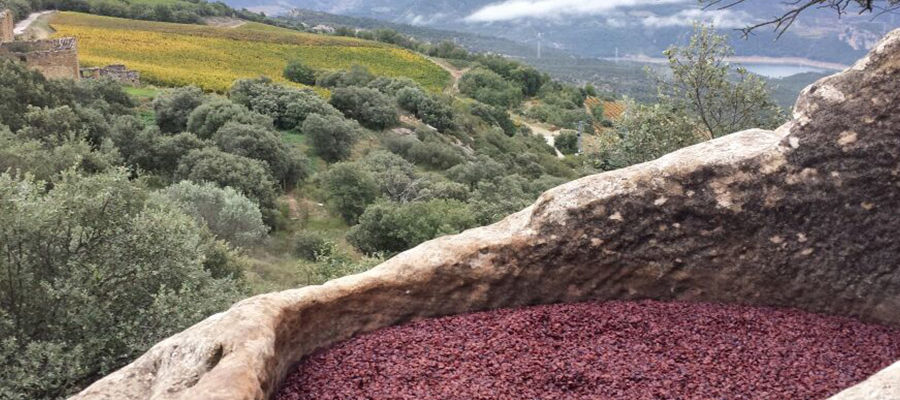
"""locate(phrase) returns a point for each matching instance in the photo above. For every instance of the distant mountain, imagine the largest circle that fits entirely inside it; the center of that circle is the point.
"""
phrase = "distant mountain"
(597, 28)
(472, 41)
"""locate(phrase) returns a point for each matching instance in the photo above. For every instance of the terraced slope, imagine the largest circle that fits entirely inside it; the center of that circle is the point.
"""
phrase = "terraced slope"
(213, 57)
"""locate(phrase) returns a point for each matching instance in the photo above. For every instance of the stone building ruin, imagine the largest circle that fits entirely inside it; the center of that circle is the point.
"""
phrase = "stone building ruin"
(116, 72)
(54, 58)
(6, 26)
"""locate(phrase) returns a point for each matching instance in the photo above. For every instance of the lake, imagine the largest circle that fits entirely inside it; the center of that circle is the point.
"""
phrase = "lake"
(779, 70)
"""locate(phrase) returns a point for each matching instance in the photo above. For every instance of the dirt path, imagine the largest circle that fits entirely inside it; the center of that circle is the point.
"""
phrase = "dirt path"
(455, 73)
(549, 136)
(27, 26)
(224, 22)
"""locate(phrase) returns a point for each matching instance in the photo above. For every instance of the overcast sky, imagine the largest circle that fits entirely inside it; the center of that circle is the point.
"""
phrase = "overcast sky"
(551, 9)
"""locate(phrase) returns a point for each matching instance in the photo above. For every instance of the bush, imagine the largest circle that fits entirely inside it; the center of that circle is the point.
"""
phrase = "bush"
(248, 176)
(96, 300)
(392, 86)
(331, 137)
(471, 173)
(391, 227)
(396, 177)
(494, 200)
(411, 98)
(434, 155)
(567, 142)
(206, 119)
(370, 107)
(229, 215)
(311, 246)
(649, 132)
(358, 75)
(349, 189)
(151, 151)
(288, 107)
(296, 71)
(173, 108)
(495, 116)
(487, 87)
(399, 145)
(286, 166)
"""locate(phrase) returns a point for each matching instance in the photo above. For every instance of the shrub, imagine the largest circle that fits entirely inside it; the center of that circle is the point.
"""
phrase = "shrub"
(495, 199)
(495, 116)
(411, 98)
(649, 132)
(391, 228)
(173, 108)
(487, 87)
(358, 75)
(229, 215)
(331, 137)
(206, 119)
(434, 155)
(437, 113)
(296, 71)
(96, 300)
(248, 176)
(471, 173)
(392, 86)
(151, 151)
(349, 189)
(311, 246)
(396, 177)
(399, 145)
(567, 142)
(370, 107)
(288, 107)
(286, 166)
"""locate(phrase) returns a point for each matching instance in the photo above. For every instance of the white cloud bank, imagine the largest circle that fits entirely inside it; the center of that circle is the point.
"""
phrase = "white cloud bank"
(516, 9)
(718, 18)
(613, 9)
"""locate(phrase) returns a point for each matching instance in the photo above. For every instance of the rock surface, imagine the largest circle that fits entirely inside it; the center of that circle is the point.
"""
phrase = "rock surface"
(806, 216)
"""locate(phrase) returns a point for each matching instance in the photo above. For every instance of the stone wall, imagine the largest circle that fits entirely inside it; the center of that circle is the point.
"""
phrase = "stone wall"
(116, 72)
(805, 216)
(54, 58)
(6, 26)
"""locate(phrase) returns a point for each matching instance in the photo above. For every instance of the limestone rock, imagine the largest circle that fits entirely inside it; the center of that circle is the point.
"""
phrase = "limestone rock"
(805, 216)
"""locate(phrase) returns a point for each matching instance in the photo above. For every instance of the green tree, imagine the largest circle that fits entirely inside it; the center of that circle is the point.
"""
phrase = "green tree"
(288, 107)
(488, 87)
(93, 272)
(567, 142)
(648, 132)
(724, 100)
(349, 189)
(391, 86)
(253, 141)
(358, 75)
(246, 175)
(332, 137)
(390, 228)
(44, 162)
(370, 107)
(296, 71)
(229, 215)
(206, 119)
(175, 106)
(396, 178)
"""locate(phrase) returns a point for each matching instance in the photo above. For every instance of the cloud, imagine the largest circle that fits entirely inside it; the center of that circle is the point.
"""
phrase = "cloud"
(718, 18)
(516, 9)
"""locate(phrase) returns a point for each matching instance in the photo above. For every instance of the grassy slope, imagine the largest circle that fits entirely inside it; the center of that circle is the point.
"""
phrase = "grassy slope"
(212, 57)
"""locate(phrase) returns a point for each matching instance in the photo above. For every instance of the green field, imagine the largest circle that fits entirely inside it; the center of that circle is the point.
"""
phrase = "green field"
(210, 57)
